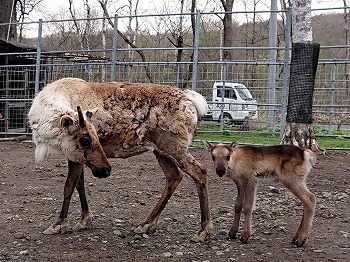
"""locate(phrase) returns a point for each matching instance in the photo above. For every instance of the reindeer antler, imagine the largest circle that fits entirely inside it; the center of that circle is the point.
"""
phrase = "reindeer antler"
(81, 118)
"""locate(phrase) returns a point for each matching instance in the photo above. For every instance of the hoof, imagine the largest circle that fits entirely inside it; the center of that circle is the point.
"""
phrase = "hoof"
(204, 234)
(83, 224)
(60, 227)
(244, 241)
(200, 237)
(232, 235)
(145, 229)
(55, 229)
(140, 230)
(244, 238)
(298, 243)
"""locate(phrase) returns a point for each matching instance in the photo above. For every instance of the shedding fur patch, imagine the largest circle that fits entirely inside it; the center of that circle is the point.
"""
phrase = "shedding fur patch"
(125, 116)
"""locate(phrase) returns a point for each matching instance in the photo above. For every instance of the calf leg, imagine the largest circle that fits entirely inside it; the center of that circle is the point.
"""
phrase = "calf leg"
(199, 174)
(238, 210)
(86, 215)
(308, 200)
(249, 186)
(74, 171)
(173, 179)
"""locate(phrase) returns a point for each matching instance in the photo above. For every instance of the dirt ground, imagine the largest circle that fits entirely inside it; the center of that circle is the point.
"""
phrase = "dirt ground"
(31, 196)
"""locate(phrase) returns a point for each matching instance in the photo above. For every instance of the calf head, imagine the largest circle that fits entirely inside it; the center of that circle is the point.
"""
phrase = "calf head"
(85, 142)
(221, 154)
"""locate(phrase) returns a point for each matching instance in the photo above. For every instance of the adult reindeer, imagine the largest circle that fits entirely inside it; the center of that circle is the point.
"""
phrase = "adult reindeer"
(121, 120)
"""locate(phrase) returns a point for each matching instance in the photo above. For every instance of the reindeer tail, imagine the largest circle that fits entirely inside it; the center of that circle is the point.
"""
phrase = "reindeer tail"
(198, 100)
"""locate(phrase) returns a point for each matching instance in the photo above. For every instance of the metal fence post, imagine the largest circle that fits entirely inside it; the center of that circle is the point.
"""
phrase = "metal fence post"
(272, 83)
(115, 46)
(331, 109)
(38, 58)
(286, 69)
(195, 50)
(222, 105)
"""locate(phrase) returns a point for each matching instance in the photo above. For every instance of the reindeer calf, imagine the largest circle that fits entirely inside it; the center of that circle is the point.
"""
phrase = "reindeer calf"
(245, 164)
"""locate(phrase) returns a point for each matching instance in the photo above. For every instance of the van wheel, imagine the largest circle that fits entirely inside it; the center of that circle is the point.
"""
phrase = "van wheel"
(227, 119)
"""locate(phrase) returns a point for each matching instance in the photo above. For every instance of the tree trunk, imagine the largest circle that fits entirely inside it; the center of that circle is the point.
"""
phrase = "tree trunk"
(5, 17)
(228, 36)
(193, 26)
(228, 28)
(301, 135)
(299, 130)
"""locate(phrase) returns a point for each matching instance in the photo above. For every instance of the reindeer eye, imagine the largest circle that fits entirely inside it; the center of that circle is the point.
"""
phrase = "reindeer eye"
(228, 158)
(213, 158)
(85, 141)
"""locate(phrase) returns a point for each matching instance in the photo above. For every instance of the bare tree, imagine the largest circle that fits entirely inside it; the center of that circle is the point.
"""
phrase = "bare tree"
(24, 9)
(7, 14)
(83, 30)
(251, 37)
(227, 36)
(125, 38)
(75, 21)
(193, 26)
(103, 42)
(178, 32)
(12, 11)
(132, 31)
(228, 28)
(299, 130)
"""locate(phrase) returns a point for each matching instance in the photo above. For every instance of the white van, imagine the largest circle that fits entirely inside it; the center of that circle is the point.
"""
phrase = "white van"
(234, 101)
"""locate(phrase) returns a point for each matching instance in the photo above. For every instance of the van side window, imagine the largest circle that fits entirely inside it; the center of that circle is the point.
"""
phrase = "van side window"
(229, 92)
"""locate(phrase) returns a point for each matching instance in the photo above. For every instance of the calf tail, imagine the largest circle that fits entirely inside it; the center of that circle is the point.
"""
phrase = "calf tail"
(198, 100)
(310, 156)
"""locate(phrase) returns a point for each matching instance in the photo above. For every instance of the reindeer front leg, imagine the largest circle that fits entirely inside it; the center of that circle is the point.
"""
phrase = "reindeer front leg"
(199, 174)
(249, 185)
(238, 209)
(75, 169)
(206, 223)
(86, 215)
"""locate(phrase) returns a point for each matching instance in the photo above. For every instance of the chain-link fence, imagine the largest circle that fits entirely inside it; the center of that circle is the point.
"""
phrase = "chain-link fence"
(195, 63)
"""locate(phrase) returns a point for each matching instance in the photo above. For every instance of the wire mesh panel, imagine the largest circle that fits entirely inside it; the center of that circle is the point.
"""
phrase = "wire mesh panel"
(166, 54)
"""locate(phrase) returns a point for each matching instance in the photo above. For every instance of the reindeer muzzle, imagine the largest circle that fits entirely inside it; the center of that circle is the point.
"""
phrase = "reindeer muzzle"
(220, 171)
(101, 172)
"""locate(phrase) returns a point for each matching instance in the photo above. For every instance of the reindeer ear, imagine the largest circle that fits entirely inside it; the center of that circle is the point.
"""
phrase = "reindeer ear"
(208, 146)
(234, 144)
(90, 113)
(66, 121)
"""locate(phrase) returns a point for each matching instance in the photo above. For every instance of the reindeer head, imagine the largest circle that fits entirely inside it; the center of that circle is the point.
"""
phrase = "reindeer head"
(83, 140)
(221, 154)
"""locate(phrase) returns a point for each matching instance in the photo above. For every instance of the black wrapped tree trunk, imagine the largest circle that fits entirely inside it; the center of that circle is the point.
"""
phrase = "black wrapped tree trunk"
(299, 130)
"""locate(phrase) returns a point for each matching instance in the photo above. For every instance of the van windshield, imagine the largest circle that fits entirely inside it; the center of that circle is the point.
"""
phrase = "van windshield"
(244, 93)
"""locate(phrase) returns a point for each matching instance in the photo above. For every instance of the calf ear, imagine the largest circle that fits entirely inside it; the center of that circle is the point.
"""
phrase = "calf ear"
(208, 146)
(234, 144)
(66, 121)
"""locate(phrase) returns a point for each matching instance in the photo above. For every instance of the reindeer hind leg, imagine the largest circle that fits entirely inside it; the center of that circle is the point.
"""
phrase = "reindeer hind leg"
(308, 199)
(173, 179)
